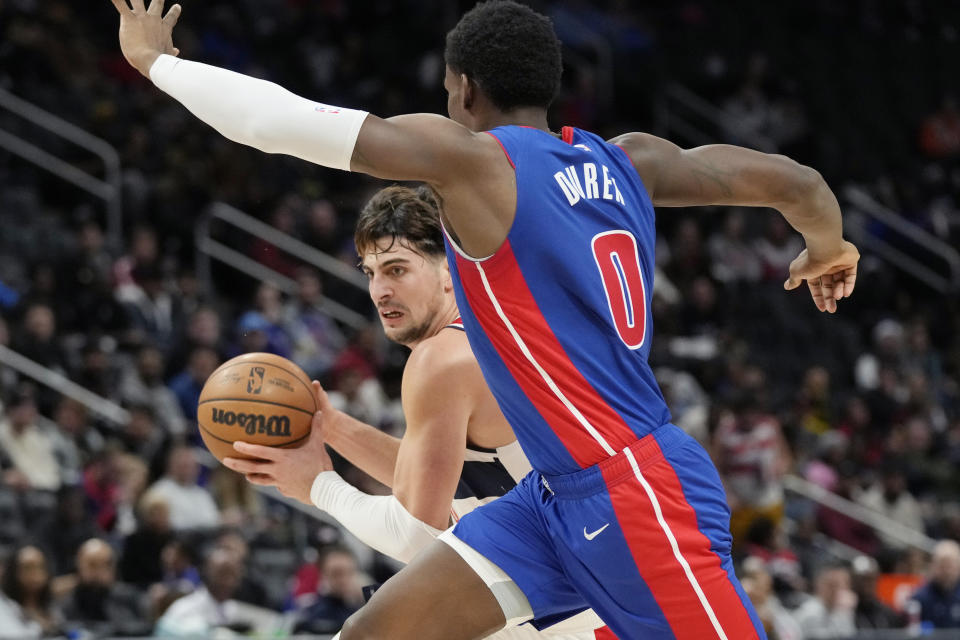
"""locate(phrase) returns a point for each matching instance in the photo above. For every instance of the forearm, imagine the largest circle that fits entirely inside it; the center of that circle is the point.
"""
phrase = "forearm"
(366, 447)
(261, 114)
(378, 521)
(815, 213)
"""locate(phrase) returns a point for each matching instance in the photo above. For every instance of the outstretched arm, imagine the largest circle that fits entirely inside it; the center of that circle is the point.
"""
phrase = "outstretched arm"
(266, 116)
(728, 175)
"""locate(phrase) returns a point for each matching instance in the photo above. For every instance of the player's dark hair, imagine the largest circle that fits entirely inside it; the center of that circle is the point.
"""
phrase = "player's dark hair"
(510, 51)
(402, 214)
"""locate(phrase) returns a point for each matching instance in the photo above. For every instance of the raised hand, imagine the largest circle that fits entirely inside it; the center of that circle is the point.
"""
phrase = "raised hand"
(145, 33)
(830, 276)
(291, 471)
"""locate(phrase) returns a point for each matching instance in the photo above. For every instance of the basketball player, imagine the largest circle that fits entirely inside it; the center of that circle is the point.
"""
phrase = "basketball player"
(457, 449)
(550, 248)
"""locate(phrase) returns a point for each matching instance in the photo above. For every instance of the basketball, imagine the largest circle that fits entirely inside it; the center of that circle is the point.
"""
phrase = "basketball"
(259, 398)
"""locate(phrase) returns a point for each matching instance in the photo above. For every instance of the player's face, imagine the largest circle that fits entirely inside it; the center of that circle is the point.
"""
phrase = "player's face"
(408, 289)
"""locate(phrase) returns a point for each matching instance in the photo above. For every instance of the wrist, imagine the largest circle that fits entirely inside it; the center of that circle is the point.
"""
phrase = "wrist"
(145, 60)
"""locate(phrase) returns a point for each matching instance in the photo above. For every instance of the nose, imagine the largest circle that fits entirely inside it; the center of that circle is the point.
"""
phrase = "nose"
(380, 290)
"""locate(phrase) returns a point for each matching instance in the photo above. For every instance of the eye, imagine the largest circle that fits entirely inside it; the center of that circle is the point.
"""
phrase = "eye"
(397, 271)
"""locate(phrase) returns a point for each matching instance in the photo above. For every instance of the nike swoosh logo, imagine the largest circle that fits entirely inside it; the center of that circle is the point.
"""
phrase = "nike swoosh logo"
(591, 536)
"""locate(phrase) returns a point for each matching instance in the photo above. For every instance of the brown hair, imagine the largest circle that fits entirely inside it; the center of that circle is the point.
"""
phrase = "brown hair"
(410, 216)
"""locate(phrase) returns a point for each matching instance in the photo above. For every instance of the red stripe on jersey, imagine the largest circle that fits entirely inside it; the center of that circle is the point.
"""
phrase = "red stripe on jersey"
(604, 633)
(519, 306)
(505, 152)
(656, 560)
(566, 134)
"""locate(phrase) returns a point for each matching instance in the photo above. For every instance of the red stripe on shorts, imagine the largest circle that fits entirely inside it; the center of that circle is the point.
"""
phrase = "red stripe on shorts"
(654, 556)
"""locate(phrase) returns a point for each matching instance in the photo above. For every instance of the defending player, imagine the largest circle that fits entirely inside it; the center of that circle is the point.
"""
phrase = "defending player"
(457, 449)
(551, 252)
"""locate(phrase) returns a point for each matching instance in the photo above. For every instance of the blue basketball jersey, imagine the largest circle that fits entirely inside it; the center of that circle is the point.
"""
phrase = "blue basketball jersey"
(559, 317)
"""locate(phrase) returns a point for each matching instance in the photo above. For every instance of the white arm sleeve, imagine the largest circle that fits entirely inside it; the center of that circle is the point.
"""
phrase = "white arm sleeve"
(379, 521)
(261, 114)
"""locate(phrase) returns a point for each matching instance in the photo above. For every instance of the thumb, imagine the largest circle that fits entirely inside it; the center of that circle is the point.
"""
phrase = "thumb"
(170, 20)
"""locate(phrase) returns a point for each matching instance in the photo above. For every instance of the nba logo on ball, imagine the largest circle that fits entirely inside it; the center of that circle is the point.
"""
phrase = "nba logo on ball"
(255, 383)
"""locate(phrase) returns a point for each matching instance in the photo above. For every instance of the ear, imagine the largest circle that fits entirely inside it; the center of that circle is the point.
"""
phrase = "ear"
(468, 89)
(445, 277)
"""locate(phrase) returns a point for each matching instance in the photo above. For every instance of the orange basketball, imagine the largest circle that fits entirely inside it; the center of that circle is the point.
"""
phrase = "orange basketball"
(259, 398)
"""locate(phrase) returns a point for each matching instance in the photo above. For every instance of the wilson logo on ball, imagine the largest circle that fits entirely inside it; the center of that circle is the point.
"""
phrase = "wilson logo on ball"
(255, 382)
(253, 423)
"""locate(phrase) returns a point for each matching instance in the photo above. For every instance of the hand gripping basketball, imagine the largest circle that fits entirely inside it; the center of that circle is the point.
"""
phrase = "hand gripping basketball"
(291, 471)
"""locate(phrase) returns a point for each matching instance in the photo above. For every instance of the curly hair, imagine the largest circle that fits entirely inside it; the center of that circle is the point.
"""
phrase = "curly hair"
(510, 51)
(410, 216)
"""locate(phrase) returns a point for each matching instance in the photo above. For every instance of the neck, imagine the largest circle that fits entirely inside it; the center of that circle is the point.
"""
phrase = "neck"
(533, 117)
(447, 315)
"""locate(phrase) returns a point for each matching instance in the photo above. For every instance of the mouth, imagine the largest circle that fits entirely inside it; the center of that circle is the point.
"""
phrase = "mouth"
(391, 314)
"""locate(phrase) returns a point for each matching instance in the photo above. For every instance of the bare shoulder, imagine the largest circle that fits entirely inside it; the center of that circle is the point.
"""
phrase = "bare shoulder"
(649, 155)
(443, 358)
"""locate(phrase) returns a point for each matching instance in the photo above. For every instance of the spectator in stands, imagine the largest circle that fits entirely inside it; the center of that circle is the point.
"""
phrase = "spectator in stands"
(734, 260)
(871, 612)
(140, 562)
(316, 339)
(777, 248)
(78, 441)
(752, 456)
(154, 313)
(939, 598)
(85, 276)
(30, 448)
(204, 329)
(213, 606)
(143, 384)
(26, 581)
(144, 438)
(13, 621)
(98, 603)
(340, 593)
(267, 316)
(179, 562)
(758, 584)
(99, 371)
(251, 589)
(113, 482)
(144, 250)
(829, 614)
(37, 339)
(238, 501)
(66, 529)
(891, 498)
(187, 385)
(940, 131)
(191, 506)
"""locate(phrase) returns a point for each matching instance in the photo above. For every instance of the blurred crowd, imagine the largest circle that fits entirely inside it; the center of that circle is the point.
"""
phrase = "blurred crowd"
(113, 526)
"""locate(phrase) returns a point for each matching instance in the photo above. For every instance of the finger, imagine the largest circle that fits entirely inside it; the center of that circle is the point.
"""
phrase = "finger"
(817, 294)
(271, 454)
(826, 286)
(170, 20)
(791, 284)
(316, 424)
(121, 6)
(838, 287)
(155, 8)
(849, 281)
(244, 466)
(138, 6)
(175, 52)
(262, 479)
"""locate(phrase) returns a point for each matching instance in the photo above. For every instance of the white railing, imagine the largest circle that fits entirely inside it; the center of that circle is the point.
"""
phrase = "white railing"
(210, 249)
(107, 189)
(99, 405)
(879, 522)
(863, 208)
